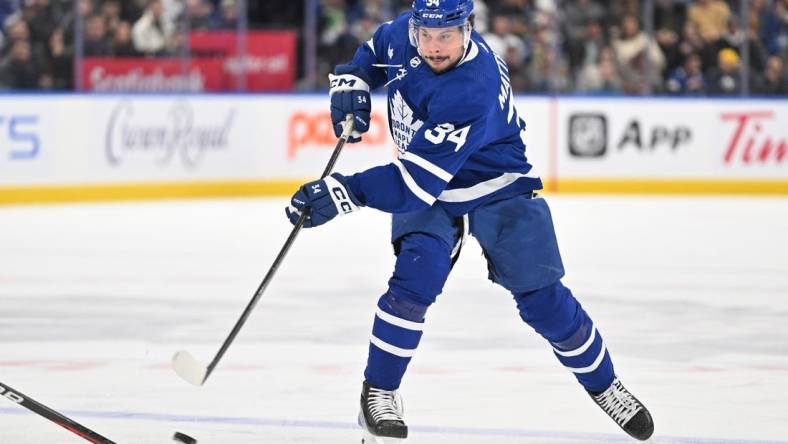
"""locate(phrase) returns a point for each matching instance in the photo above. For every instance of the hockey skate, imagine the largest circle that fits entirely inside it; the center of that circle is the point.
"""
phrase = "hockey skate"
(381, 416)
(629, 413)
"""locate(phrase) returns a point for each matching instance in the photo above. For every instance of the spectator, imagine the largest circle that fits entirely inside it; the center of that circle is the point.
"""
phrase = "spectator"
(200, 13)
(774, 81)
(602, 76)
(61, 56)
(334, 23)
(640, 58)
(670, 15)
(110, 11)
(586, 51)
(669, 19)
(547, 70)
(501, 39)
(228, 15)
(336, 43)
(121, 44)
(577, 15)
(725, 79)
(710, 17)
(41, 19)
(153, 33)
(18, 70)
(96, 43)
(688, 78)
(692, 43)
(735, 38)
(16, 31)
(633, 42)
(764, 24)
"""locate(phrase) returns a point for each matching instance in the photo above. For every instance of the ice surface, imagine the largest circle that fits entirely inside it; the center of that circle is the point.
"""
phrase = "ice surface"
(690, 293)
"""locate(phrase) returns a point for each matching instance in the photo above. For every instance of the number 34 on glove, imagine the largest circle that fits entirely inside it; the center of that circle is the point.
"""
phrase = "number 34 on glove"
(324, 199)
(350, 95)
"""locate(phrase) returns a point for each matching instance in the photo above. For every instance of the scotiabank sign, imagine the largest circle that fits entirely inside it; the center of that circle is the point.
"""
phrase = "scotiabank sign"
(214, 65)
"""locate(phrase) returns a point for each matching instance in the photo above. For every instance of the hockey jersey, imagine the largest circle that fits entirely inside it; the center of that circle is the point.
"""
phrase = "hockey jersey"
(459, 137)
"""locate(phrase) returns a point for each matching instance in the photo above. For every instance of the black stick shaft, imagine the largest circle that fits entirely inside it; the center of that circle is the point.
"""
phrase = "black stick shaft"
(42, 410)
(277, 262)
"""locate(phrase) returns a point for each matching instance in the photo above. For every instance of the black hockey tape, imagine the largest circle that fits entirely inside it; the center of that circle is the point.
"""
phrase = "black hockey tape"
(184, 438)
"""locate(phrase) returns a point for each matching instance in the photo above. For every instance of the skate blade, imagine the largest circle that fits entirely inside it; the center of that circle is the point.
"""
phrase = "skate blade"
(369, 438)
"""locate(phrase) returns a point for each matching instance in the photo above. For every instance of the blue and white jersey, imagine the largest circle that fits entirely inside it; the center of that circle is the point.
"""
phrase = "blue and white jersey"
(459, 136)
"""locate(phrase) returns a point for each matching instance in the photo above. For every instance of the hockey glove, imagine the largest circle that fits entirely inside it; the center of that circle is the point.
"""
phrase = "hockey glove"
(325, 198)
(350, 95)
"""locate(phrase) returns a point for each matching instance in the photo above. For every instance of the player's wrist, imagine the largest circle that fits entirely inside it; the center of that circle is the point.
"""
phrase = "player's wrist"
(353, 184)
(343, 198)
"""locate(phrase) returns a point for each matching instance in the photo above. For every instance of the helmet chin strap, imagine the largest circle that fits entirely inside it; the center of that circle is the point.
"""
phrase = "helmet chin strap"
(466, 40)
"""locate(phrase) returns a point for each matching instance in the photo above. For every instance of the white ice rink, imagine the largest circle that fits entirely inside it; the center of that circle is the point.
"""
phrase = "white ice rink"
(690, 293)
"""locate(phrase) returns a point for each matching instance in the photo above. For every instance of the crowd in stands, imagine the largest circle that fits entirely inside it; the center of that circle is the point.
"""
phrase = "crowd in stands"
(691, 47)
(600, 46)
(38, 44)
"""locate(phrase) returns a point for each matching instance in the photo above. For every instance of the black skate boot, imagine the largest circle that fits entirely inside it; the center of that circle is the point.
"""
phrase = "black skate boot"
(381, 416)
(629, 413)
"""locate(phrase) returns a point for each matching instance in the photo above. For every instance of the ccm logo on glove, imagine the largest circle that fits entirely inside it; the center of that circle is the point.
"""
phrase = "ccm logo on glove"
(323, 206)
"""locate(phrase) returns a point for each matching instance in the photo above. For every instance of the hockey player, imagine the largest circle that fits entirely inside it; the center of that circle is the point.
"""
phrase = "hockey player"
(461, 167)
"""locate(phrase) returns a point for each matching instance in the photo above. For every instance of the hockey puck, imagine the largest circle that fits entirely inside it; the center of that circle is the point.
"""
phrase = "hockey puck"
(184, 438)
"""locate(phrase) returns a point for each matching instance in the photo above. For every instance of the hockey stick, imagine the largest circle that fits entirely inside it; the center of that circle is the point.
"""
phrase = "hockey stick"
(40, 409)
(184, 363)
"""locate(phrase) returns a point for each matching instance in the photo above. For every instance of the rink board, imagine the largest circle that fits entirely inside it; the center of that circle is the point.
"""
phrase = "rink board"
(113, 147)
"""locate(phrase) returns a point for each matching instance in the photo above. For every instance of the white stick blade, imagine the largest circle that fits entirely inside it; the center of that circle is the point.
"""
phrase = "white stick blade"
(188, 368)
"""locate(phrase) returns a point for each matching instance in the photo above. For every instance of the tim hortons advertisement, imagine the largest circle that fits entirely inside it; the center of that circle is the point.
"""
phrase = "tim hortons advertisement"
(171, 138)
(214, 65)
(753, 139)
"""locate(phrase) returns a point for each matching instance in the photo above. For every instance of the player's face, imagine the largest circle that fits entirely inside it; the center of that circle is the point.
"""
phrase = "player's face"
(441, 48)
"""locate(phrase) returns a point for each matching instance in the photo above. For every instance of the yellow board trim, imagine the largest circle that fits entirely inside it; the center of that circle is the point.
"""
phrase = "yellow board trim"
(24, 195)
(144, 191)
(673, 186)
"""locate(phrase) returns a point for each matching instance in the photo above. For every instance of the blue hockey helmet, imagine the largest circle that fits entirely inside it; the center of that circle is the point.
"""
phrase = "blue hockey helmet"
(440, 13)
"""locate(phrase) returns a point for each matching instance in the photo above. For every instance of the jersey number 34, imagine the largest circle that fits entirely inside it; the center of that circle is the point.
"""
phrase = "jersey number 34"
(438, 134)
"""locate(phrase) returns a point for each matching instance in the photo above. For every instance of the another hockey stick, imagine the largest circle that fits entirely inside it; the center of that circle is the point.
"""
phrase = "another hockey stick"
(40, 409)
(184, 363)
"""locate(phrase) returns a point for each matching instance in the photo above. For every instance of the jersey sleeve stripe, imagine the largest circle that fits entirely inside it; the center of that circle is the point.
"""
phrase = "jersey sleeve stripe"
(414, 188)
(437, 171)
(482, 189)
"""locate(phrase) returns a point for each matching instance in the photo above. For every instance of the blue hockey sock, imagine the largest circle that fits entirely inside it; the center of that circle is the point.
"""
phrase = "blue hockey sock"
(422, 267)
(396, 333)
(556, 315)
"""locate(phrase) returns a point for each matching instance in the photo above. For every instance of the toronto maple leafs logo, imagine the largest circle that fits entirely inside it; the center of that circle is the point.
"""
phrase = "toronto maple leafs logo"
(403, 123)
